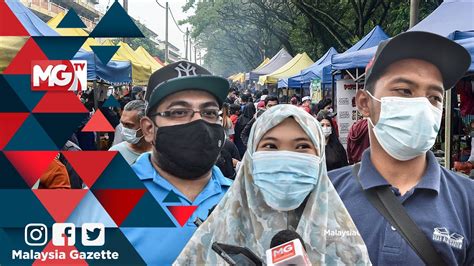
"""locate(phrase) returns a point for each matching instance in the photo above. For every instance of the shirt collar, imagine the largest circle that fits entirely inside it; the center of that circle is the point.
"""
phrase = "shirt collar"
(370, 177)
(145, 171)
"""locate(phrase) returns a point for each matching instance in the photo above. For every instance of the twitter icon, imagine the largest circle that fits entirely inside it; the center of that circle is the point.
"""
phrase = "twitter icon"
(93, 234)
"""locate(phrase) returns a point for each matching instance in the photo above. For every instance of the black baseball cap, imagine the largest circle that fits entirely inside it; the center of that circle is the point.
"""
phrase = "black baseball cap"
(450, 58)
(180, 76)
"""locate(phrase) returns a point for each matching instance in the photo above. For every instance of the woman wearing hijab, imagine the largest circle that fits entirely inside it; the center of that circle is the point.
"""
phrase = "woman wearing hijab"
(282, 184)
(336, 156)
(244, 118)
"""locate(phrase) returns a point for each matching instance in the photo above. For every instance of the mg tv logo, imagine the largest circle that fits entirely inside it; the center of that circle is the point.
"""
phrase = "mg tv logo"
(59, 75)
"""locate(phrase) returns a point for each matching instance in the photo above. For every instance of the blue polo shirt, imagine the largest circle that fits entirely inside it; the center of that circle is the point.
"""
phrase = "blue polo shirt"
(161, 246)
(441, 204)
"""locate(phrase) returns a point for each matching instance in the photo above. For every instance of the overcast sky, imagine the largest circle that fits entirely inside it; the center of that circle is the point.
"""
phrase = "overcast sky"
(152, 15)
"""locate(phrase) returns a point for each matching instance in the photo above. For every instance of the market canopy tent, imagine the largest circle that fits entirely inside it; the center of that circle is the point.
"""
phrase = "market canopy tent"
(468, 43)
(294, 66)
(143, 54)
(277, 61)
(316, 70)
(240, 77)
(54, 22)
(359, 55)
(450, 16)
(141, 71)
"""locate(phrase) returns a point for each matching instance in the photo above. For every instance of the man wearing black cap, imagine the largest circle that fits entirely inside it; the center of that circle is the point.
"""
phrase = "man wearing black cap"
(182, 123)
(403, 102)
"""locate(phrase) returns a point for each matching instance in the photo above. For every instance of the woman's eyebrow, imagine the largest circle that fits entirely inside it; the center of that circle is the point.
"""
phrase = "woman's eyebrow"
(301, 139)
(269, 138)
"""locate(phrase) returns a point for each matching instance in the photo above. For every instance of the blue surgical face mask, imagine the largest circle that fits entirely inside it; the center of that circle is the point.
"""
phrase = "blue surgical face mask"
(407, 127)
(285, 178)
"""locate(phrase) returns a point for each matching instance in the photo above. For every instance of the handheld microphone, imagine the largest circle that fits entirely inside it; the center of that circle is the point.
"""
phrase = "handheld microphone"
(235, 255)
(287, 247)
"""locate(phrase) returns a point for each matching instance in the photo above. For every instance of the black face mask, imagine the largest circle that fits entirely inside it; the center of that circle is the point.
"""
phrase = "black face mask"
(190, 150)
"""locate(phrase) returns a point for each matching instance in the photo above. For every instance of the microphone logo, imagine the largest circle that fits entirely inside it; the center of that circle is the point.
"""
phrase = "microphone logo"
(283, 252)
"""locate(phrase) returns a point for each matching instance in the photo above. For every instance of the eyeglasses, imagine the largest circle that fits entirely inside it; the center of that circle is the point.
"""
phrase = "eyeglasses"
(186, 114)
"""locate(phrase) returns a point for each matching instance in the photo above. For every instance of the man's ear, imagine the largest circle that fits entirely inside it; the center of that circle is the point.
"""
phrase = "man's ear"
(148, 129)
(362, 100)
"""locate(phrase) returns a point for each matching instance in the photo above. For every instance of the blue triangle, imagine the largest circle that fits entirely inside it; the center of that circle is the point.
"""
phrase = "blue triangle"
(60, 47)
(118, 175)
(9, 177)
(60, 126)
(23, 208)
(31, 136)
(148, 207)
(116, 23)
(111, 102)
(104, 53)
(9, 101)
(71, 20)
(22, 87)
(172, 198)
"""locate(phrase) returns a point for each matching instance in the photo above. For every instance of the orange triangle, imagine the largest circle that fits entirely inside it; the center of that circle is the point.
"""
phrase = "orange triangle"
(10, 25)
(21, 64)
(98, 123)
(67, 251)
(31, 164)
(182, 213)
(89, 165)
(60, 102)
(60, 203)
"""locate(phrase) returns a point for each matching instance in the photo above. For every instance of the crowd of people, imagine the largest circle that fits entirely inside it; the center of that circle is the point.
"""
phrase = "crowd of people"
(253, 165)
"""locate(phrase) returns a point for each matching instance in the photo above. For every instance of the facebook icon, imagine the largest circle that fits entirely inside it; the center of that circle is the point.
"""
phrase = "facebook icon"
(64, 234)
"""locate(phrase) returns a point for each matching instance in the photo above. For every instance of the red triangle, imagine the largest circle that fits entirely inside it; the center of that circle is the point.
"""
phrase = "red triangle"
(98, 123)
(119, 202)
(21, 64)
(60, 202)
(67, 251)
(89, 165)
(10, 123)
(10, 25)
(182, 213)
(60, 102)
(31, 164)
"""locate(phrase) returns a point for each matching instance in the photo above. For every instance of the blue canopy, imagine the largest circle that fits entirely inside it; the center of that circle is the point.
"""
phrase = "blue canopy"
(283, 83)
(468, 43)
(458, 35)
(359, 57)
(316, 70)
(450, 16)
(34, 25)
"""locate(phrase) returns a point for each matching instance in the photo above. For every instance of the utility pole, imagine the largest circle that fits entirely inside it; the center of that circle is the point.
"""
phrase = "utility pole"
(195, 61)
(190, 46)
(414, 12)
(186, 43)
(166, 35)
(125, 7)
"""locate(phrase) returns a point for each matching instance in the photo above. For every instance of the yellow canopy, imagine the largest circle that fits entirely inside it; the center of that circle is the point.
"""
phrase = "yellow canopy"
(54, 22)
(264, 63)
(9, 47)
(293, 67)
(108, 42)
(240, 77)
(232, 76)
(141, 71)
(143, 53)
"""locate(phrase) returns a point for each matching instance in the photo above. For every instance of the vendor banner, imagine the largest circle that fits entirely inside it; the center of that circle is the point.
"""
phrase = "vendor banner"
(346, 107)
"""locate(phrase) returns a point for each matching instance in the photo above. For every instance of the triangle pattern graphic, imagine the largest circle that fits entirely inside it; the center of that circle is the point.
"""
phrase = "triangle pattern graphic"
(89, 165)
(9, 177)
(104, 53)
(60, 202)
(66, 249)
(22, 207)
(71, 20)
(60, 102)
(31, 172)
(60, 127)
(182, 213)
(11, 122)
(98, 123)
(119, 202)
(111, 102)
(82, 213)
(21, 64)
(22, 86)
(10, 25)
(150, 208)
(60, 47)
(10, 102)
(118, 175)
(172, 197)
(30, 136)
(116, 23)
